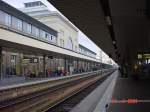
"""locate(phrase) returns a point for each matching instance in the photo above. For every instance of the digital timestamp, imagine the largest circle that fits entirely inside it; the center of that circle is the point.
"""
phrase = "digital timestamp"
(129, 101)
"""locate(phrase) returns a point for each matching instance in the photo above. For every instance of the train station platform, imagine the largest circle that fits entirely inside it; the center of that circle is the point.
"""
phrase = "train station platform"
(19, 81)
(131, 95)
(96, 101)
(117, 94)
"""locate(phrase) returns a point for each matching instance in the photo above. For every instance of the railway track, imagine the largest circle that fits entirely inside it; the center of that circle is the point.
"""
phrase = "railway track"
(43, 100)
(31, 102)
(54, 85)
(71, 101)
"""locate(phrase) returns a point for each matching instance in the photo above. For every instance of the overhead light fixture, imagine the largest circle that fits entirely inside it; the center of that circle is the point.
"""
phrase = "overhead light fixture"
(108, 20)
(114, 42)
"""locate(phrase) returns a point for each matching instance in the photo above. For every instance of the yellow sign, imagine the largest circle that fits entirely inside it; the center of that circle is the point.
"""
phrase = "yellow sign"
(25, 61)
(139, 56)
(146, 56)
(143, 56)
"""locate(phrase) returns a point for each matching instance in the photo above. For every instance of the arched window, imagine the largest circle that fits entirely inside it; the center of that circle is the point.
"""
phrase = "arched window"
(70, 43)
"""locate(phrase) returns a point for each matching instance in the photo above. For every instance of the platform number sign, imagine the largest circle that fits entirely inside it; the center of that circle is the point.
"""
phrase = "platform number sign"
(33, 60)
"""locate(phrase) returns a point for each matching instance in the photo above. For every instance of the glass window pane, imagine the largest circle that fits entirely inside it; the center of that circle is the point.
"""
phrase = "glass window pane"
(16, 23)
(5, 18)
(42, 34)
(2, 17)
(70, 43)
(61, 42)
(27, 27)
(54, 40)
(46, 36)
(35, 31)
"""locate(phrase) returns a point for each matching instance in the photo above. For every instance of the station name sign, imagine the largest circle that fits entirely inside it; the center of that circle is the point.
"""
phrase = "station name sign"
(144, 56)
(30, 60)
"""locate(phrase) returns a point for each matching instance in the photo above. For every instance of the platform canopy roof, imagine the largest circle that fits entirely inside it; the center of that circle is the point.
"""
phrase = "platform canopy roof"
(119, 27)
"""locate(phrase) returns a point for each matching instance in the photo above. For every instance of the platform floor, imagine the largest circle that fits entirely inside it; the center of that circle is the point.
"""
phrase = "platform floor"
(127, 88)
(17, 81)
(121, 95)
(14, 80)
(96, 101)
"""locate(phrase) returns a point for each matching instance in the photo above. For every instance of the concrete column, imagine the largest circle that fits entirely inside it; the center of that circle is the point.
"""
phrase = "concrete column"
(44, 66)
(77, 64)
(20, 61)
(0, 63)
(84, 65)
(65, 65)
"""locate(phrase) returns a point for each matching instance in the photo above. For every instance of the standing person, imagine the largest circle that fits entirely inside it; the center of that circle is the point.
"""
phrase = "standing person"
(126, 70)
(49, 72)
(136, 72)
(121, 71)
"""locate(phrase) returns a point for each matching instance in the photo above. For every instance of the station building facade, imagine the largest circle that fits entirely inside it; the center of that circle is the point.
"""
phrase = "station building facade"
(67, 32)
(85, 51)
(13, 61)
(29, 47)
